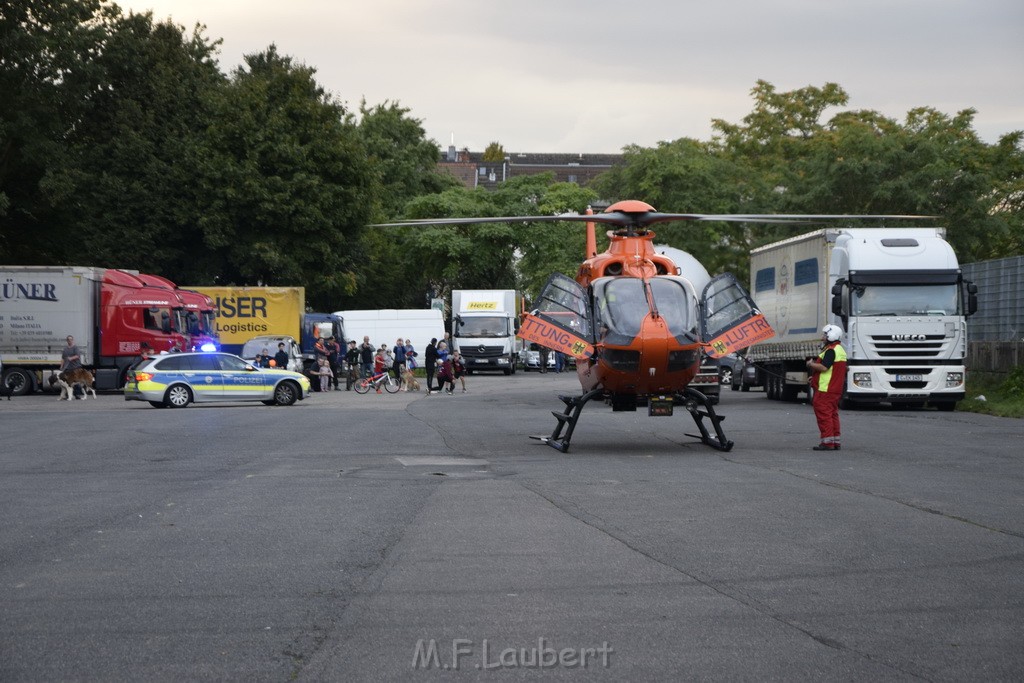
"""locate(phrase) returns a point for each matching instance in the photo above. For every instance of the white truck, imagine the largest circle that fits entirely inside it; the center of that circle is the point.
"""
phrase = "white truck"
(386, 325)
(897, 293)
(484, 327)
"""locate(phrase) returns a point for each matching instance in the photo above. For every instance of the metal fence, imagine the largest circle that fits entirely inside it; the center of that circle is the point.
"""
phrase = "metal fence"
(1000, 315)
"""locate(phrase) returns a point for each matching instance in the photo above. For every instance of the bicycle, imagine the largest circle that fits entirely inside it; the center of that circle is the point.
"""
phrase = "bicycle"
(377, 381)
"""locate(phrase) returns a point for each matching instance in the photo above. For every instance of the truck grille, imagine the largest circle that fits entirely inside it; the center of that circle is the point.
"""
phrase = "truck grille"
(931, 346)
(481, 351)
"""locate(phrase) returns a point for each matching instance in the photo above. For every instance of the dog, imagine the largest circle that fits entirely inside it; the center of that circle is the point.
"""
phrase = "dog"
(68, 379)
(410, 381)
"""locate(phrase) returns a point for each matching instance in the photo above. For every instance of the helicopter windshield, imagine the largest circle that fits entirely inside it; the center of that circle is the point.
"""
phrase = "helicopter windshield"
(677, 306)
(621, 305)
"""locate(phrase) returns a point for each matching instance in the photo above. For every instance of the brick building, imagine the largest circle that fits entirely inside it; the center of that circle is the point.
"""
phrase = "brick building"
(473, 171)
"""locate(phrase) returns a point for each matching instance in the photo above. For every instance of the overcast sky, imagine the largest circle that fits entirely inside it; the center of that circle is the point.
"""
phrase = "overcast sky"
(592, 76)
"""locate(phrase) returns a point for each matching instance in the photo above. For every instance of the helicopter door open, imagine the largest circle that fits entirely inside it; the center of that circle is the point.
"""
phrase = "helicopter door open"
(561, 319)
(729, 319)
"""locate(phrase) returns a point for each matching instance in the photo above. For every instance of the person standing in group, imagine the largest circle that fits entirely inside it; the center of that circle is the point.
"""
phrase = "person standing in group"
(325, 374)
(445, 375)
(828, 379)
(281, 357)
(459, 370)
(544, 358)
(352, 363)
(442, 352)
(559, 361)
(333, 353)
(398, 353)
(71, 359)
(430, 364)
(70, 356)
(410, 368)
(366, 352)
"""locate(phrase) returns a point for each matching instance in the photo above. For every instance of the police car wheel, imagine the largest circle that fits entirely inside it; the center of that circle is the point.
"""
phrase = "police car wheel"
(286, 393)
(178, 396)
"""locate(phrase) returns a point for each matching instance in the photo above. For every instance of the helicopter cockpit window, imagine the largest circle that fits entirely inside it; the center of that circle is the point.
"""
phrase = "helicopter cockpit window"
(620, 305)
(677, 305)
(564, 303)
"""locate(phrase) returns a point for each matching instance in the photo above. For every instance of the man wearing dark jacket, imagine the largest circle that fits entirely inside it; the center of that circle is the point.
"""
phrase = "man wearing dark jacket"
(430, 364)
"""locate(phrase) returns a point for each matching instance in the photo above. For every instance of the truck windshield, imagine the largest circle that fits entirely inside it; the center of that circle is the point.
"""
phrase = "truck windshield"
(483, 326)
(938, 299)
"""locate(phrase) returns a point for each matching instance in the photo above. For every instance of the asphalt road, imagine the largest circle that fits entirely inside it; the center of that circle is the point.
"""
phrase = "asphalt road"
(412, 537)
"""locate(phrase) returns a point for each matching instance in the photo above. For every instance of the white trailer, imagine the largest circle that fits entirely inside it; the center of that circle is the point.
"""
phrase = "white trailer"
(386, 325)
(897, 293)
(484, 327)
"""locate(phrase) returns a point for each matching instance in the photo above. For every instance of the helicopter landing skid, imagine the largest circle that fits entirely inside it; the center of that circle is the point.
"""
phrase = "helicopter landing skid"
(573, 408)
(718, 442)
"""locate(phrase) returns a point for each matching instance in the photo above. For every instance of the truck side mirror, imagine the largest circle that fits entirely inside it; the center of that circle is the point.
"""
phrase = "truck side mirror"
(837, 298)
(515, 325)
(972, 298)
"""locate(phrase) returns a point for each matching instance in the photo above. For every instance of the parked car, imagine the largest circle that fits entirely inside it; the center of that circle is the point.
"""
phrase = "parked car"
(174, 380)
(529, 357)
(742, 375)
(258, 344)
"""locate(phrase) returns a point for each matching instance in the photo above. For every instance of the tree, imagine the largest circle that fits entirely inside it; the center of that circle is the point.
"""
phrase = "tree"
(128, 176)
(285, 184)
(404, 162)
(47, 74)
(404, 159)
(494, 152)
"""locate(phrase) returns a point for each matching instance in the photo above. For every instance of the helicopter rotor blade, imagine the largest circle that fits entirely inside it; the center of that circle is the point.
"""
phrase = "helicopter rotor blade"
(642, 219)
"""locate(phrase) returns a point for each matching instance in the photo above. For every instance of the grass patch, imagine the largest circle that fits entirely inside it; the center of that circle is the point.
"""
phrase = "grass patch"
(1004, 394)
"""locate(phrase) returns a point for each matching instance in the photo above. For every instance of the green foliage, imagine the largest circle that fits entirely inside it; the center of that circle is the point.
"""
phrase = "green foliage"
(284, 173)
(46, 79)
(494, 152)
(785, 158)
(123, 145)
(1003, 395)
(1013, 385)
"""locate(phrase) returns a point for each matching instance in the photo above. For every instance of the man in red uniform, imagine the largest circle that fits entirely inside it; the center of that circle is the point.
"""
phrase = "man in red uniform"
(828, 379)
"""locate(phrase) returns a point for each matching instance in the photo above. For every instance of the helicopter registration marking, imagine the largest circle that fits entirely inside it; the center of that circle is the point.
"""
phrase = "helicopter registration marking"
(741, 336)
(537, 330)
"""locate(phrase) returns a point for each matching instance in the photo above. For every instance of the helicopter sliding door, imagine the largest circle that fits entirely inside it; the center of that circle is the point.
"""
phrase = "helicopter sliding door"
(561, 319)
(729, 319)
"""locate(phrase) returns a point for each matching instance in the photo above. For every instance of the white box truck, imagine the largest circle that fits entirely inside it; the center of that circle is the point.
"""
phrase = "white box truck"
(386, 325)
(897, 293)
(484, 327)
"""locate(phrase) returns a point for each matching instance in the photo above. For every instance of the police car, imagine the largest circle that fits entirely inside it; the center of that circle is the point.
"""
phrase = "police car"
(174, 380)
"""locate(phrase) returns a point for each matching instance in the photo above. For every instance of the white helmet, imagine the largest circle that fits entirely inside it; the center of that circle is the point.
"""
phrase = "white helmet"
(832, 333)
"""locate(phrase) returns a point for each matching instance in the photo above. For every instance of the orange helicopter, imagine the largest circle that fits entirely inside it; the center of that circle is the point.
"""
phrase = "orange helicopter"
(634, 322)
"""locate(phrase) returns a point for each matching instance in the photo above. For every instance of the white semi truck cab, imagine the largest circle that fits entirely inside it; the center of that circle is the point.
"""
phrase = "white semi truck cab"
(899, 296)
(902, 301)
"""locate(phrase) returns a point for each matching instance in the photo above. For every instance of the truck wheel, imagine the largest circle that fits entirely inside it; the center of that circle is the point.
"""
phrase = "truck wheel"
(177, 396)
(18, 382)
